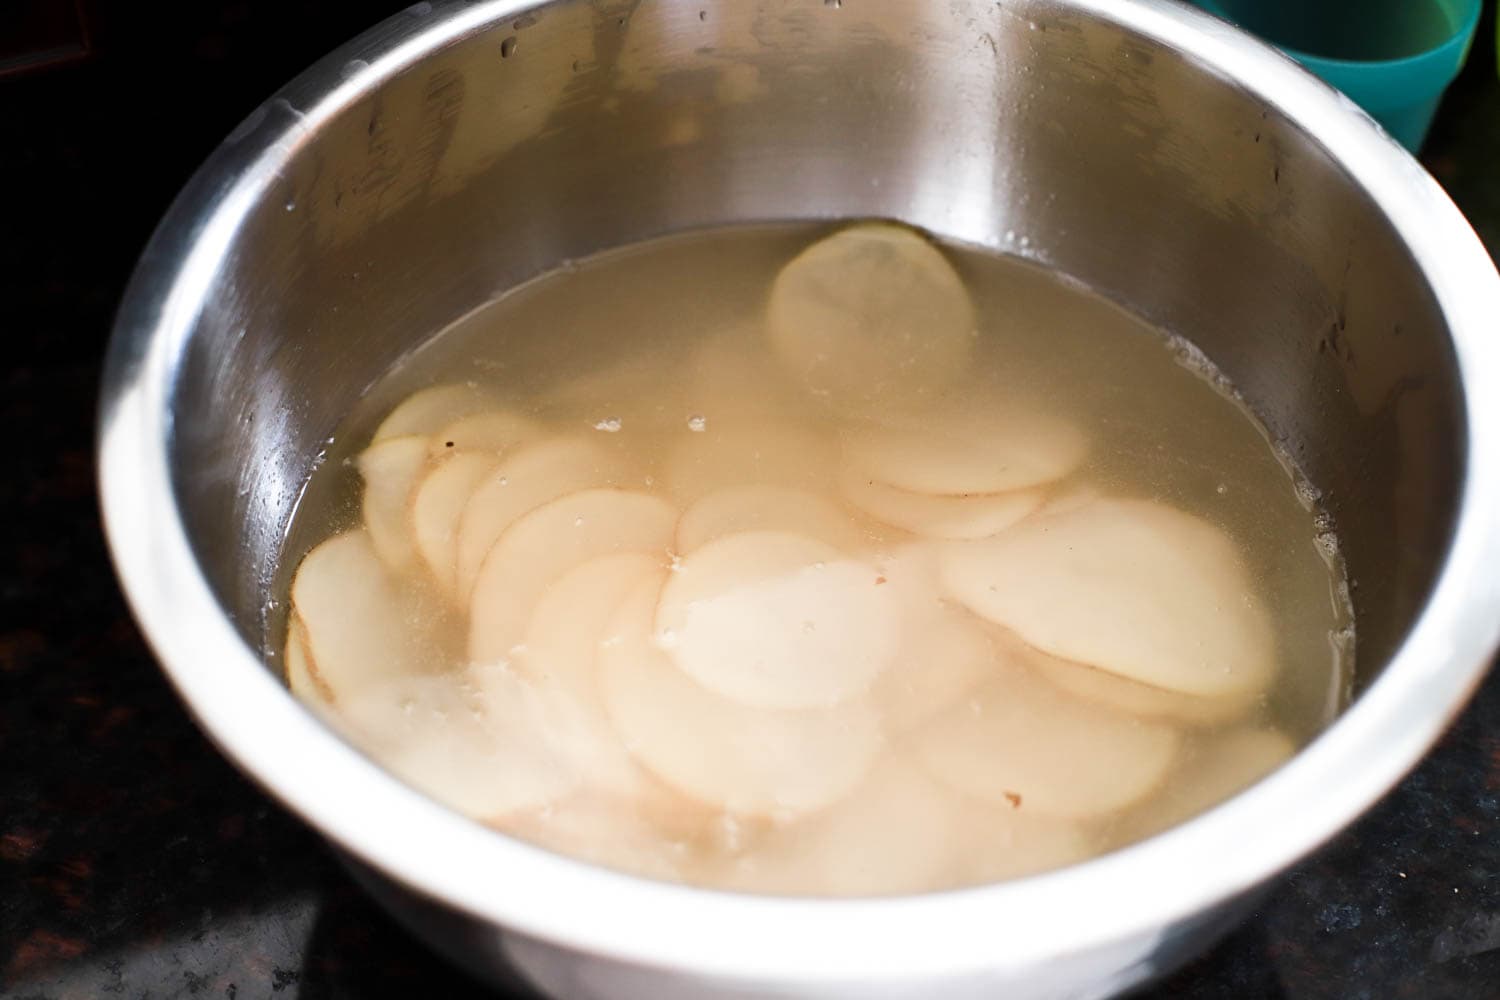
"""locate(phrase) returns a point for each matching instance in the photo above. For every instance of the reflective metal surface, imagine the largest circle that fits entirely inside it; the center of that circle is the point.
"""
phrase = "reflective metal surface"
(1148, 151)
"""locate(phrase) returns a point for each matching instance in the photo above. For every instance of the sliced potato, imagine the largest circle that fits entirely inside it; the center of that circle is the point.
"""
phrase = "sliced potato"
(939, 516)
(360, 628)
(438, 504)
(301, 673)
(428, 410)
(1218, 769)
(535, 474)
(778, 620)
(1136, 588)
(759, 507)
(1006, 841)
(1122, 694)
(482, 754)
(1016, 739)
(728, 454)
(896, 833)
(605, 831)
(562, 641)
(719, 752)
(391, 469)
(497, 432)
(545, 543)
(962, 450)
(939, 664)
(870, 317)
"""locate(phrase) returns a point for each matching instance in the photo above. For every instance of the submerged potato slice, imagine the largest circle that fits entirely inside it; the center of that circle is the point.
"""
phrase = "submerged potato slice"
(939, 664)
(534, 475)
(870, 316)
(497, 432)
(301, 674)
(1006, 841)
(962, 451)
(938, 516)
(438, 504)
(562, 641)
(359, 627)
(606, 831)
(728, 454)
(1015, 739)
(548, 541)
(1136, 588)
(428, 410)
(1214, 772)
(719, 752)
(778, 620)
(1101, 687)
(758, 507)
(391, 470)
(896, 833)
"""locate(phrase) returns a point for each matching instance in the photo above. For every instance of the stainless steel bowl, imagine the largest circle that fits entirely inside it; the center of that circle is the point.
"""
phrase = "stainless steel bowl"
(1151, 152)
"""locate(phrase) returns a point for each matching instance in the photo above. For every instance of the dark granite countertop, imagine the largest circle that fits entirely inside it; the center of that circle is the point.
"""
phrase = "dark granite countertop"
(135, 862)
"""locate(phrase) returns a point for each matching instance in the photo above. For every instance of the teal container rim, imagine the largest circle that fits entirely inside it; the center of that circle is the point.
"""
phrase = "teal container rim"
(1462, 37)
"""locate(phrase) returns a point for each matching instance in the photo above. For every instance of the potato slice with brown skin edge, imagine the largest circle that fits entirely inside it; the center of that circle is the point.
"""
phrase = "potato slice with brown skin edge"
(896, 833)
(430, 409)
(545, 543)
(959, 451)
(1129, 586)
(723, 754)
(391, 470)
(1016, 738)
(360, 627)
(937, 516)
(497, 432)
(759, 507)
(536, 474)
(301, 672)
(870, 317)
(777, 620)
(437, 506)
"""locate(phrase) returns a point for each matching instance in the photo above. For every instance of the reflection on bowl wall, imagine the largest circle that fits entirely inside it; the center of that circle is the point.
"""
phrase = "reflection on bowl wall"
(1142, 148)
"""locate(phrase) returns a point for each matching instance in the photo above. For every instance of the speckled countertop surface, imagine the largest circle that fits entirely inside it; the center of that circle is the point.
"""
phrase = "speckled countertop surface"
(135, 862)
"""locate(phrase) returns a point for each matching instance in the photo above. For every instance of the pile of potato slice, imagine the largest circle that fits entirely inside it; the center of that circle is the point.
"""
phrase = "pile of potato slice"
(869, 647)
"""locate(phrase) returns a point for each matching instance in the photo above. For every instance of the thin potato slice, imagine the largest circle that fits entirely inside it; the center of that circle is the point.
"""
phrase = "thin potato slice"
(301, 674)
(534, 475)
(562, 641)
(719, 752)
(728, 454)
(497, 432)
(778, 620)
(430, 409)
(1219, 769)
(896, 833)
(1015, 739)
(759, 507)
(1136, 588)
(870, 316)
(1122, 694)
(548, 541)
(962, 451)
(359, 627)
(391, 470)
(939, 664)
(605, 831)
(938, 516)
(1006, 841)
(438, 504)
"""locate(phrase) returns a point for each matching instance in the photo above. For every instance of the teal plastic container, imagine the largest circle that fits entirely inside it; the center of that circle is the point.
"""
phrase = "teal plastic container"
(1394, 58)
